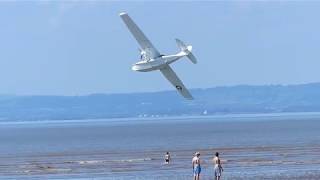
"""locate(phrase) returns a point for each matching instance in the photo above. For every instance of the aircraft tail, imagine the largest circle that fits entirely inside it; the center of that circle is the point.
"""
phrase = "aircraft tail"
(187, 50)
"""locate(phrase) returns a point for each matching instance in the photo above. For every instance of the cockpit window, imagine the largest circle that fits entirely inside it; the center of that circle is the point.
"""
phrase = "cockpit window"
(146, 55)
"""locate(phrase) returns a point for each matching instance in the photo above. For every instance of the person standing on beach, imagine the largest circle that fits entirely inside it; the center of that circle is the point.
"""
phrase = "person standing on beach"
(196, 166)
(167, 158)
(217, 166)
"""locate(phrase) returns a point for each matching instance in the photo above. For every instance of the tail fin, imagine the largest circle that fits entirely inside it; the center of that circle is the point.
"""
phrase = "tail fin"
(187, 50)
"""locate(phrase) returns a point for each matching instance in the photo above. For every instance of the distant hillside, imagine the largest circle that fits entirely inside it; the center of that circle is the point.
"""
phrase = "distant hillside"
(218, 100)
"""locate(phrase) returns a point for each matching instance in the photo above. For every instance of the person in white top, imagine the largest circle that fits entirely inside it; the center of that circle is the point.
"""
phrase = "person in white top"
(196, 166)
(167, 158)
(217, 166)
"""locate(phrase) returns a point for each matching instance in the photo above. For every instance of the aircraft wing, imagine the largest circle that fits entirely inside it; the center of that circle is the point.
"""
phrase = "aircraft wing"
(143, 41)
(176, 82)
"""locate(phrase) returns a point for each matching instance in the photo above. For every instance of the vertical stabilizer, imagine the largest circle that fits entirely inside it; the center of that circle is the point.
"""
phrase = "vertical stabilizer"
(186, 49)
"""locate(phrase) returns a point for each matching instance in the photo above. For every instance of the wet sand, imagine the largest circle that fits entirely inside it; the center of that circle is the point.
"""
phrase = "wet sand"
(269, 162)
(258, 147)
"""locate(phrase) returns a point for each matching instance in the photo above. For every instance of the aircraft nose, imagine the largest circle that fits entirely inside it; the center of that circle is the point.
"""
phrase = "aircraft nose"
(134, 68)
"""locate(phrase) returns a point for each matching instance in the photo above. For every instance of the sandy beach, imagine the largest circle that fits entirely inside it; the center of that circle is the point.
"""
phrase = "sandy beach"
(267, 148)
(240, 163)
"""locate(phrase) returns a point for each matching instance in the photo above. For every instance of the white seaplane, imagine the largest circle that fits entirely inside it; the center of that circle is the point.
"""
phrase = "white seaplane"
(152, 60)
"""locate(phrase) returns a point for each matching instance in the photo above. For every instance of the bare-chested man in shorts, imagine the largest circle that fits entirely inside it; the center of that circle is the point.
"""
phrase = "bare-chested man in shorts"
(217, 167)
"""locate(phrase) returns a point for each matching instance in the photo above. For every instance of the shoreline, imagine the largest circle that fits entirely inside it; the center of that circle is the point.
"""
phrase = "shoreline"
(239, 162)
(167, 118)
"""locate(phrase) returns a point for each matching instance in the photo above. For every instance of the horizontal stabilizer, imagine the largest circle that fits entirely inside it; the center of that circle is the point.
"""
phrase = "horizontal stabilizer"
(192, 58)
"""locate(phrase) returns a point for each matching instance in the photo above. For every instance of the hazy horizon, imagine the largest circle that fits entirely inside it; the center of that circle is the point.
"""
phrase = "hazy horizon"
(158, 91)
(81, 48)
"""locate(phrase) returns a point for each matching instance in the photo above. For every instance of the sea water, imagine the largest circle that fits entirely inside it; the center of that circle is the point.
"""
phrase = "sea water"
(267, 145)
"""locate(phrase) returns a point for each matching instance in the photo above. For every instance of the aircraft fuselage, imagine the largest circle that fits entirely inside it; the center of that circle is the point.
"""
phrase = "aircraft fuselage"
(157, 63)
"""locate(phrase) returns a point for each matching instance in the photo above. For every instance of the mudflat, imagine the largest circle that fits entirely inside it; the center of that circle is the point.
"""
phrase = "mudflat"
(273, 147)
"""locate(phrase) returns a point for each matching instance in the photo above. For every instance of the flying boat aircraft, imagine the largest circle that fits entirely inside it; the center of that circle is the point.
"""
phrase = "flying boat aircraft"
(152, 60)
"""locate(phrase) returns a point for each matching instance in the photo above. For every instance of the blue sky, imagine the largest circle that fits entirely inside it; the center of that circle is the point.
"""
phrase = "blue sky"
(75, 48)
